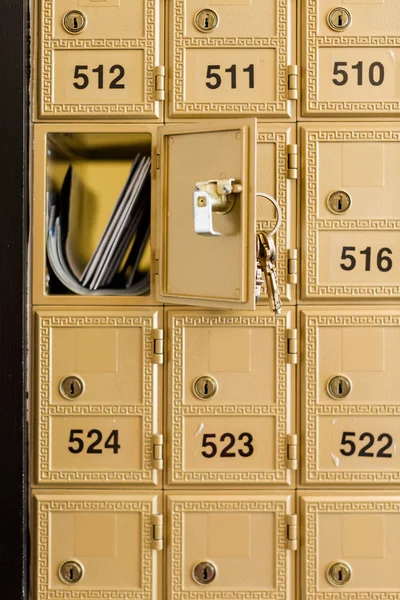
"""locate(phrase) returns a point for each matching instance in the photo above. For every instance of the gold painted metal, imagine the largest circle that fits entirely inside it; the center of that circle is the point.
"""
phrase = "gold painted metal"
(339, 19)
(111, 537)
(353, 442)
(357, 530)
(339, 202)
(111, 433)
(71, 571)
(252, 355)
(339, 573)
(206, 270)
(339, 387)
(206, 20)
(243, 535)
(232, 67)
(351, 255)
(101, 60)
(72, 387)
(74, 21)
(350, 71)
(205, 387)
(204, 572)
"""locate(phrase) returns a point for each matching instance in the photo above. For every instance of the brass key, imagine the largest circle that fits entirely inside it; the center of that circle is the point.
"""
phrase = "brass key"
(266, 255)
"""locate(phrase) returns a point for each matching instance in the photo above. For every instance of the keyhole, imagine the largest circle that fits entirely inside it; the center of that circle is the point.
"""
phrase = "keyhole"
(339, 204)
(76, 25)
(340, 575)
(72, 389)
(71, 574)
(205, 574)
(206, 384)
(340, 391)
(340, 20)
(206, 22)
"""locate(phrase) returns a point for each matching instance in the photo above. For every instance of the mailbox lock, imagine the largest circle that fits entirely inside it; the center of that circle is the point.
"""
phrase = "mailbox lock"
(205, 387)
(204, 573)
(206, 20)
(339, 573)
(71, 572)
(72, 387)
(339, 387)
(339, 19)
(216, 195)
(74, 21)
(339, 202)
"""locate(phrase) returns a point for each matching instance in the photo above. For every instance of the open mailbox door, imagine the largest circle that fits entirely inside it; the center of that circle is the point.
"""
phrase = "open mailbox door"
(206, 229)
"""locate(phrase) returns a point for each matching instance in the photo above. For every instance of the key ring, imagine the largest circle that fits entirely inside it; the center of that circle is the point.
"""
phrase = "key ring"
(278, 211)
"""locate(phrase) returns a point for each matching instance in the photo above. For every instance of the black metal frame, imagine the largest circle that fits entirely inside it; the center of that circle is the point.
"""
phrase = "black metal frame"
(14, 74)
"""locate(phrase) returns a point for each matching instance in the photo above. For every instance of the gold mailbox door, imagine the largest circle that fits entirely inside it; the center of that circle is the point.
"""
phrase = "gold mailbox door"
(242, 536)
(97, 396)
(108, 535)
(350, 223)
(206, 260)
(349, 395)
(112, 68)
(240, 67)
(230, 398)
(350, 545)
(351, 58)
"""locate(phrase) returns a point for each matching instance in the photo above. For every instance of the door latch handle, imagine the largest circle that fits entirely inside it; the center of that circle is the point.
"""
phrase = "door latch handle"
(213, 196)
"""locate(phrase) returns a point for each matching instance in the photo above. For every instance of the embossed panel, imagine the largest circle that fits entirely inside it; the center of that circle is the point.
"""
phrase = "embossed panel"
(242, 536)
(357, 529)
(350, 215)
(108, 70)
(272, 178)
(104, 435)
(352, 71)
(353, 429)
(239, 434)
(238, 68)
(109, 535)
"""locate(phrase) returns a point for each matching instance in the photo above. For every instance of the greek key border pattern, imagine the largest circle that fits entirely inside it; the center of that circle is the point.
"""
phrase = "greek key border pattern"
(313, 410)
(178, 410)
(281, 240)
(310, 547)
(181, 43)
(49, 45)
(314, 42)
(314, 225)
(177, 553)
(44, 510)
(46, 411)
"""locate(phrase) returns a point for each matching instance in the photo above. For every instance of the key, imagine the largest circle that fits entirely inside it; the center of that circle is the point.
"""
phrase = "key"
(266, 254)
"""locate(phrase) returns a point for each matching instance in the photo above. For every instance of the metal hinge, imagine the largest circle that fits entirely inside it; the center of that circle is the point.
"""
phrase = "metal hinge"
(291, 531)
(292, 266)
(292, 161)
(292, 82)
(292, 346)
(159, 83)
(291, 451)
(158, 346)
(158, 532)
(158, 451)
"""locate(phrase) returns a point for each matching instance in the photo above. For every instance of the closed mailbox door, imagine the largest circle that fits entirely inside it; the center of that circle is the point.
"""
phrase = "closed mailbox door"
(232, 58)
(349, 394)
(97, 545)
(232, 545)
(349, 545)
(97, 399)
(230, 398)
(206, 229)
(350, 222)
(100, 59)
(351, 58)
